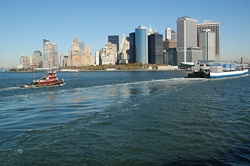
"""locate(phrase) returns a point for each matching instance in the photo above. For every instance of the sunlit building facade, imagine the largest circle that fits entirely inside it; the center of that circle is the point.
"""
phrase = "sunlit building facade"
(207, 44)
(214, 27)
(187, 40)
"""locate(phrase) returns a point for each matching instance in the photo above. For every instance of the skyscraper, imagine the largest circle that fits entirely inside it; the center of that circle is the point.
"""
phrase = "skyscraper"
(55, 55)
(132, 48)
(214, 27)
(37, 59)
(123, 52)
(114, 39)
(207, 44)
(141, 44)
(155, 49)
(186, 38)
(168, 33)
(50, 54)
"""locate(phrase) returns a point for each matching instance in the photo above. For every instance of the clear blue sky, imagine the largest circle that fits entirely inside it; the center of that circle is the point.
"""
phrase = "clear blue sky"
(25, 23)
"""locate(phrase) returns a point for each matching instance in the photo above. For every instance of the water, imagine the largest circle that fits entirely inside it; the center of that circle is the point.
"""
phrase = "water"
(125, 118)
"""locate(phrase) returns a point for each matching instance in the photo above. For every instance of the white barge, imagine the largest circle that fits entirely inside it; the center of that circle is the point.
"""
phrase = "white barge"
(217, 70)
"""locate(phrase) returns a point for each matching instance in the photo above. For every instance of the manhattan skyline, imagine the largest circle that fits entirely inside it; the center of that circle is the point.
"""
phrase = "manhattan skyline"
(24, 24)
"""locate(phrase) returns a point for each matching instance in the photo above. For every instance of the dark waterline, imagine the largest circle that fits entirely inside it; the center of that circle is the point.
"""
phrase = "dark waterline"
(125, 118)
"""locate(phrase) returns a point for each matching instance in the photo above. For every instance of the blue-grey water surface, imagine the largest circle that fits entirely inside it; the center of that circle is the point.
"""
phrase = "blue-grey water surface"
(125, 118)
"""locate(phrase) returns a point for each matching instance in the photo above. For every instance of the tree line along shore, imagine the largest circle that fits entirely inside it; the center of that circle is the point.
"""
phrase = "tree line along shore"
(120, 67)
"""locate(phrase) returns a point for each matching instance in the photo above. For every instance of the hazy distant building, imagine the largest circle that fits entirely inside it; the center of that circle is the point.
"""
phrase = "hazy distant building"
(132, 48)
(26, 60)
(214, 27)
(173, 35)
(155, 49)
(114, 39)
(37, 59)
(81, 45)
(78, 58)
(55, 56)
(63, 60)
(97, 58)
(141, 44)
(108, 55)
(44, 41)
(207, 44)
(48, 55)
(124, 51)
(168, 33)
(186, 38)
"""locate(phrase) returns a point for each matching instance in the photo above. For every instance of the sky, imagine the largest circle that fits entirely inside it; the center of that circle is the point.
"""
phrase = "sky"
(25, 23)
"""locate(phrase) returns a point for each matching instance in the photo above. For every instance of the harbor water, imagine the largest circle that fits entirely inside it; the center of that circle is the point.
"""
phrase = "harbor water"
(125, 118)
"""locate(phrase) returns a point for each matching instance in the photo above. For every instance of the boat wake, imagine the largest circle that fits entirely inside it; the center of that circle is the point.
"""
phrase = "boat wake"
(148, 85)
(9, 88)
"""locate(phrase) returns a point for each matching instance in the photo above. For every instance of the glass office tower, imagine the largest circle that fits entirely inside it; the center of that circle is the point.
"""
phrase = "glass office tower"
(155, 47)
(132, 48)
(141, 44)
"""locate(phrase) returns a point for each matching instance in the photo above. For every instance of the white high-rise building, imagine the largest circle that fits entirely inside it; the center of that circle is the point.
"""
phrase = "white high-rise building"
(187, 40)
(214, 27)
(168, 33)
(50, 54)
(207, 44)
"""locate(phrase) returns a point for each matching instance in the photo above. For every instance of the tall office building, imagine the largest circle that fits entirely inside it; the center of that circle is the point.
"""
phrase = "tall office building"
(114, 39)
(123, 52)
(186, 38)
(50, 54)
(168, 33)
(141, 44)
(214, 27)
(207, 44)
(55, 55)
(132, 48)
(155, 49)
(37, 59)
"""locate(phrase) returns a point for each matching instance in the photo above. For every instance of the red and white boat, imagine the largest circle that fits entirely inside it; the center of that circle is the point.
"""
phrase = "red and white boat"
(50, 79)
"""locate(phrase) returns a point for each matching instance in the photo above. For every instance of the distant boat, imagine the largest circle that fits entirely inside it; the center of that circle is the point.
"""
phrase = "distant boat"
(217, 70)
(69, 70)
(50, 79)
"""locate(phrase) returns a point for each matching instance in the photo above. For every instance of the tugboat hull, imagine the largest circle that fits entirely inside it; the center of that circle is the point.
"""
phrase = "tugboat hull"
(50, 79)
(35, 85)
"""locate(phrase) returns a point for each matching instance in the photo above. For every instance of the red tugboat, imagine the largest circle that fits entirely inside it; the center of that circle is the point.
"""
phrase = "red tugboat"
(50, 79)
